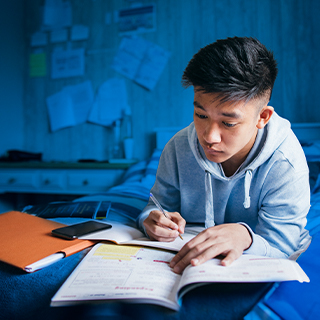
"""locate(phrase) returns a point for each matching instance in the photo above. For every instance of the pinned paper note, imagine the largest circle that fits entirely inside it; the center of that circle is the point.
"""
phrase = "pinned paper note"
(60, 111)
(110, 102)
(67, 63)
(137, 19)
(70, 106)
(141, 61)
(37, 65)
(130, 56)
(57, 14)
(82, 99)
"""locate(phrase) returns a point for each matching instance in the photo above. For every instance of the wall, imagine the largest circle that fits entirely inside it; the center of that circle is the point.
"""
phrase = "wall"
(12, 66)
(288, 27)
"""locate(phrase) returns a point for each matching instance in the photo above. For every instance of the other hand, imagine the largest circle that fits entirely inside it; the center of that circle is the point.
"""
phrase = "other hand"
(229, 240)
(162, 228)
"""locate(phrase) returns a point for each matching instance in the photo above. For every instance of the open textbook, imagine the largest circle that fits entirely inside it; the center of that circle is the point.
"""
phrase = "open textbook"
(122, 234)
(142, 275)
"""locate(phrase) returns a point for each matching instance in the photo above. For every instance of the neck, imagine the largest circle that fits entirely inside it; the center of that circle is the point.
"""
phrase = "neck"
(231, 165)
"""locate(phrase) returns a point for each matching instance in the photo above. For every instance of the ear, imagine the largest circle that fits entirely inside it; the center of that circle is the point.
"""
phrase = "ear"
(264, 116)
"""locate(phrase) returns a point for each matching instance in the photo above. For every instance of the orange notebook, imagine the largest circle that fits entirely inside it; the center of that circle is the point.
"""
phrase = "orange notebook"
(26, 239)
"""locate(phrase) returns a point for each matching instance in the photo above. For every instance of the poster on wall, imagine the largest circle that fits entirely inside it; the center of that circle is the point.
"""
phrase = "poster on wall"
(38, 64)
(140, 60)
(70, 106)
(56, 14)
(67, 63)
(110, 102)
(137, 19)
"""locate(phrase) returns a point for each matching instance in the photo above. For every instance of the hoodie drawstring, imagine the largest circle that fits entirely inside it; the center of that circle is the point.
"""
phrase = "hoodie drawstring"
(247, 183)
(209, 222)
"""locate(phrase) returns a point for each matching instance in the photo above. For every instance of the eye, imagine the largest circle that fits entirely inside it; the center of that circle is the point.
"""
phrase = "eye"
(229, 125)
(201, 116)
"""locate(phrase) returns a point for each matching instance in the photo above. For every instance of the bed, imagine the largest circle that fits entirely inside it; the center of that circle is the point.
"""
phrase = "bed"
(27, 296)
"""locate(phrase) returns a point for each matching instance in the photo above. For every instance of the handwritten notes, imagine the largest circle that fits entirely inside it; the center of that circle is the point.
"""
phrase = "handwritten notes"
(70, 106)
(110, 102)
(141, 61)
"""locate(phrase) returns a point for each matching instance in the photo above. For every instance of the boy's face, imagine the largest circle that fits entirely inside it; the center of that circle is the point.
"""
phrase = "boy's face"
(227, 131)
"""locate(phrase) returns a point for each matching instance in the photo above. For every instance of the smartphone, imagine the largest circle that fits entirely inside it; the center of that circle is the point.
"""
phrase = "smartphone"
(80, 229)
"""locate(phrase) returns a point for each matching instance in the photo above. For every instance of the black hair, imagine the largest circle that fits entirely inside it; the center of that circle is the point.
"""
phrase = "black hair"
(235, 68)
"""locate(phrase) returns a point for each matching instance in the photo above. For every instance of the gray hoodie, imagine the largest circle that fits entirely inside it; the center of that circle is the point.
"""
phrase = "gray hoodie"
(269, 193)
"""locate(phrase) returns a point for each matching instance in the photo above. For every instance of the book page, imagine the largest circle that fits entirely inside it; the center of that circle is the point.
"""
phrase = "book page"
(119, 233)
(189, 233)
(175, 245)
(122, 234)
(112, 272)
(248, 268)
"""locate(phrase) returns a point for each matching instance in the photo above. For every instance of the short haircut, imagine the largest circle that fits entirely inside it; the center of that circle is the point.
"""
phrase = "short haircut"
(235, 68)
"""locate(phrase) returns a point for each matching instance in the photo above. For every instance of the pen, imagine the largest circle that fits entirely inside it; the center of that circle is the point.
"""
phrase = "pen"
(156, 202)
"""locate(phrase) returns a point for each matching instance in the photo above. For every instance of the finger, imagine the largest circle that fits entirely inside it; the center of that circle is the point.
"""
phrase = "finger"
(160, 233)
(197, 240)
(192, 258)
(203, 252)
(182, 259)
(230, 257)
(214, 251)
(207, 254)
(165, 221)
(177, 218)
(160, 219)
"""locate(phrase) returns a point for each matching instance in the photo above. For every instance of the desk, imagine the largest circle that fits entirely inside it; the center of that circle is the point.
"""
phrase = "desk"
(60, 178)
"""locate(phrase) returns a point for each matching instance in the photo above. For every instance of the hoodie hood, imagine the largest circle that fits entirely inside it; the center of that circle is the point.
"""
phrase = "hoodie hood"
(268, 140)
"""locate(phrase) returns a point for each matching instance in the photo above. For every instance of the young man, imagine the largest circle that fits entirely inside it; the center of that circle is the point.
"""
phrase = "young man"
(238, 168)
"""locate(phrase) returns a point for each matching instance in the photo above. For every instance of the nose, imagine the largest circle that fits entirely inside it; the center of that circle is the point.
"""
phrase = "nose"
(212, 134)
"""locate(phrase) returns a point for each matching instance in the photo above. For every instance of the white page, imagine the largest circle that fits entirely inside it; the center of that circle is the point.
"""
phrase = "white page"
(175, 245)
(82, 100)
(57, 14)
(122, 234)
(60, 111)
(109, 103)
(45, 262)
(129, 56)
(118, 272)
(152, 66)
(140, 60)
(248, 268)
(119, 233)
(67, 63)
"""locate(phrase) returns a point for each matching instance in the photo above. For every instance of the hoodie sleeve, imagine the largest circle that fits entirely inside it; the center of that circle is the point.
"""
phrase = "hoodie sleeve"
(284, 204)
(166, 187)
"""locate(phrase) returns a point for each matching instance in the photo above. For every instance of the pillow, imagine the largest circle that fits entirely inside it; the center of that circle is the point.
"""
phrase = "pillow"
(136, 172)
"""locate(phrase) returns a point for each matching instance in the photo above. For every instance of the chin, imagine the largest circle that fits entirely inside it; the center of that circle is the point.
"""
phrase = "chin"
(215, 158)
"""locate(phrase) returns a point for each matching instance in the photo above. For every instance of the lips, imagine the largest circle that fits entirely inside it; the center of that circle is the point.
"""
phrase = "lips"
(213, 151)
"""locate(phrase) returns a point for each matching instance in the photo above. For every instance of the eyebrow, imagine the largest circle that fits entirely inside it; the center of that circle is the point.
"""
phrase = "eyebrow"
(198, 105)
(233, 115)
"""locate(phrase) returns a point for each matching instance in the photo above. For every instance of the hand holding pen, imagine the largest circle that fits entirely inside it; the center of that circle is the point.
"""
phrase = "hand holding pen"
(155, 228)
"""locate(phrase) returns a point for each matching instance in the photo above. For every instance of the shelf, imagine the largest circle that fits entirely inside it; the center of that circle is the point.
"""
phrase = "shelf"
(122, 164)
